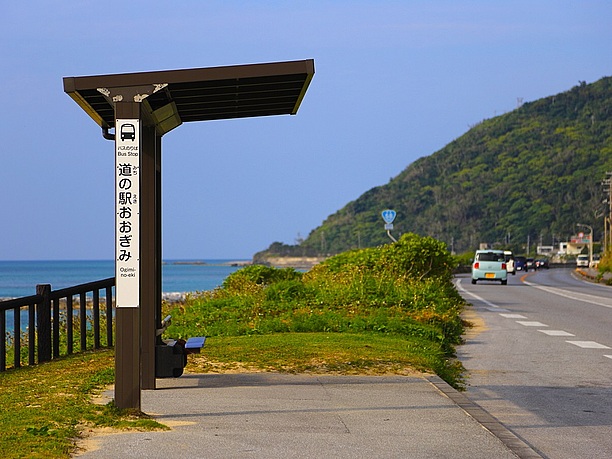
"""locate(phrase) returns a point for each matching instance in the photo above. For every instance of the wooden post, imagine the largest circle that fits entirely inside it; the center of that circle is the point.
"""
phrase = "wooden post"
(43, 322)
(150, 280)
(148, 312)
(83, 319)
(127, 347)
(109, 317)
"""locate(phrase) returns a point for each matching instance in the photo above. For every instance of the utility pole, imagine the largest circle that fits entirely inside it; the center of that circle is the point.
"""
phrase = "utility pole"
(607, 184)
(528, 245)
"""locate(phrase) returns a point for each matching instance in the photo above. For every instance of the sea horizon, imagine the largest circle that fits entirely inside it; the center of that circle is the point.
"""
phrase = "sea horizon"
(19, 278)
(164, 260)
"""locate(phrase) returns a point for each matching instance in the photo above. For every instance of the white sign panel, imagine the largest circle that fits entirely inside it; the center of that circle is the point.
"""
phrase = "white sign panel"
(127, 213)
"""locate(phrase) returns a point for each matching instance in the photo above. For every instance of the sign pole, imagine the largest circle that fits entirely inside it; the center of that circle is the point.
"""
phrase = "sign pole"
(388, 216)
(127, 255)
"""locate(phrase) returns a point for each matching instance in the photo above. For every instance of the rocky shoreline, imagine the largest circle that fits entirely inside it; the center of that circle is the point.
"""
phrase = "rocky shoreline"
(205, 263)
(293, 262)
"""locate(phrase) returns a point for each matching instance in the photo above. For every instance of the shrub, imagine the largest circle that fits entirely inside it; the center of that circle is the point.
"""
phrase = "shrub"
(402, 289)
(412, 256)
(605, 264)
(259, 274)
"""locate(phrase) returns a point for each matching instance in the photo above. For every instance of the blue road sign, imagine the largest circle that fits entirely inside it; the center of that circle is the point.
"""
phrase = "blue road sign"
(388, 215)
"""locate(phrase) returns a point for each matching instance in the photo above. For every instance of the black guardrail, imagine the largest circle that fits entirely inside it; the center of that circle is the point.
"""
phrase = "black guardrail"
(45, 326)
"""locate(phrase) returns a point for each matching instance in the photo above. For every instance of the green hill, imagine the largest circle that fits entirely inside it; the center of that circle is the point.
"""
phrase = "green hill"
(532, 173)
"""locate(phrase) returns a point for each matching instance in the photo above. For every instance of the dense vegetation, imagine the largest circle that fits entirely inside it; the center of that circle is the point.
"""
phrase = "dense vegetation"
(400, 293)
(532, 173)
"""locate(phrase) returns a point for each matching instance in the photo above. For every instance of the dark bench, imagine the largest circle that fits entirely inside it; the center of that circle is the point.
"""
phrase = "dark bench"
(171, 357)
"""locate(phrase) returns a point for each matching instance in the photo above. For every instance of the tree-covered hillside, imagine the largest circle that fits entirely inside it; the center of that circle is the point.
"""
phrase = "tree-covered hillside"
(532, 173)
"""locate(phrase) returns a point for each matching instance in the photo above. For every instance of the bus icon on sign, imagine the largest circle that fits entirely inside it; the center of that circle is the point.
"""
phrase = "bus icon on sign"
(128, 131)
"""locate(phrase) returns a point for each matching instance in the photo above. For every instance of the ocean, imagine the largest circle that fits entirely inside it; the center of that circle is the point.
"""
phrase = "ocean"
(19, 278)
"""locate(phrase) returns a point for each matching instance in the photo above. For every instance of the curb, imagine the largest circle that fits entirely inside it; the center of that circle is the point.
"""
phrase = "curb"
(593, 275)
(512, 442)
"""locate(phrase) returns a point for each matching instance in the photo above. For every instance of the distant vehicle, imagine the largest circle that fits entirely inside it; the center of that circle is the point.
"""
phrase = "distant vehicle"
(520, 263)
(582, 261)
(529, 264)
(595, 261)
(489, 265)
(541, 264)
(509, 256)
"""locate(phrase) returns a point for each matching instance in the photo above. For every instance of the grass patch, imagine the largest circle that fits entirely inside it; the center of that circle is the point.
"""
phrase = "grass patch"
(46, 407)
(321, 353)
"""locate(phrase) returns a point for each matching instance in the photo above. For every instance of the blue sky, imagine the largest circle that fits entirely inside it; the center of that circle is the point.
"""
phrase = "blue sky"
(394, 81)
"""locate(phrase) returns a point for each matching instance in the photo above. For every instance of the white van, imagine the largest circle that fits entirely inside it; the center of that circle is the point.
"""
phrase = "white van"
(509, 256)
(582, 261)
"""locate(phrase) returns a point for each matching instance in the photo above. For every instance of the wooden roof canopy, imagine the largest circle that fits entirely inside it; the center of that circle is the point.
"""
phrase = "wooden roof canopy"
(202, 94)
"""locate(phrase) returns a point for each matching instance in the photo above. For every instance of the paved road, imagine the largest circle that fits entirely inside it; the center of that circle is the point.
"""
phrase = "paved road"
(542, 363)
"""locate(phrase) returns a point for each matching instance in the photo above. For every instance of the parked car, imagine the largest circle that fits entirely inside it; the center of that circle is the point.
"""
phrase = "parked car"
(529, 264)
(520, 263)
(595, 262)
(509, 256)
(489, 265)
(542, 263)
(582, 261)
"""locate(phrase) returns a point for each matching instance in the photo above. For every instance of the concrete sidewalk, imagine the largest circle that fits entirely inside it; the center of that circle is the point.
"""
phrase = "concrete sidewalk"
(269, 415)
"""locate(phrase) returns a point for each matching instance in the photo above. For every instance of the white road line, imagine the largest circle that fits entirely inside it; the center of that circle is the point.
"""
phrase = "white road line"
(571, 295)
(588, 344)
(556, 333)
(528, 323)
(574, 296)
(488, 303)
(609, 356)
